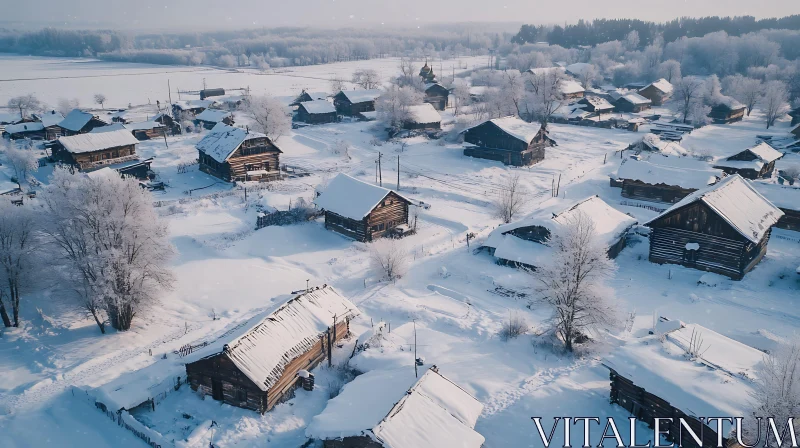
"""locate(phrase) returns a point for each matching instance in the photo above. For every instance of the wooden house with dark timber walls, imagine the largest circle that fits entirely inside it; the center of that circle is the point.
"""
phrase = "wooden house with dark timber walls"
(508, 140)
(257, 367)
(786, 198)
(436, 95)
(96, 150)
(727, 110)
(723, 228)
(79, 122)
(316, 112)
(353, 102)
(757, 162)
(664, 179)
(361, 211)
(657, 92)
(236, 154)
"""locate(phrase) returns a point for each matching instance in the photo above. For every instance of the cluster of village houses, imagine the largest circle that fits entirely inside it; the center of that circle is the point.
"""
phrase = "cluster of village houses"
(715, 216)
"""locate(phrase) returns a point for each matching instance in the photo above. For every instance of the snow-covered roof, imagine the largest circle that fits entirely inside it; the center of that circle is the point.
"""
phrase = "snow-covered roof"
(350, 197)
(541, 71)
(662, 85)
(143, 126)
(82, 143)
(653, 142)
(213, 115)
(362, 96)
(9, 117)
(765, 152)
(727, 101)
(513, 126)
(75, 120)
(736, 201)
(632, 97)
(20, 128)
(598, 102)
(195, 104)
(569, 87)
(318, 107)
(578, 68)
(423, 114)
(430, 85)
(435, 413)
(51, 118)
(318, 95)
(786, 197)
(609, 224)
(223, 140)
(109, 128)
(263, 351)
(683, 172)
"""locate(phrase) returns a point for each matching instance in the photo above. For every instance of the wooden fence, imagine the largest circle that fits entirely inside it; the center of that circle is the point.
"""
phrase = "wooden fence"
(644, 206)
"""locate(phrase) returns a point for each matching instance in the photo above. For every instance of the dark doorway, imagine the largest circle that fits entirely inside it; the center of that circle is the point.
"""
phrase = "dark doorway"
(216, 389)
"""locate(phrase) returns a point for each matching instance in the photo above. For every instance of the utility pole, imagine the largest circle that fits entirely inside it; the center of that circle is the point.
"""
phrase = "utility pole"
(380, 170)
(169, 93)
(398, 172)
(416, 374)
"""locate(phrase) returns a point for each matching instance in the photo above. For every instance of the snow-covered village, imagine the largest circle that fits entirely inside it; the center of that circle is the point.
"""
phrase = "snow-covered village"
(475, 231)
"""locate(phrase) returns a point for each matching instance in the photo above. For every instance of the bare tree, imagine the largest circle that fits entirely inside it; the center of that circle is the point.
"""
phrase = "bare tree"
(393, 105)
(670, 70)
(545, 96)
(22, 161)
(18, 254)
(573, 282)
(461, 96)
(688, 91)
(366, 78)
(269, 116)
(66, 106)
(337, 84)
(511, 199)
(111, 246)
(25, 104)
(776, 101)
(100, 99)
(588, 75)
(390, 258)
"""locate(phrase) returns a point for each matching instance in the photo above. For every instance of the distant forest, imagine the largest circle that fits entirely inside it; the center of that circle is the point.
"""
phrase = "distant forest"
(591, 33)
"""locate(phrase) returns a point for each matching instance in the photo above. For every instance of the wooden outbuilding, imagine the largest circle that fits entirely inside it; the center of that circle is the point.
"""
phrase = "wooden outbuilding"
(172, 127)
(257, 367)
(664, 179)
(786, 198)
(139, 169)
(96, 150)
(79, 122)
(207, 93)
(658, 92)
(211, 117)
(50, 121)
(571, 90)
(353, 102)
(723, 228)
(147, 130)
(630, 102)
(757, 162)
(309, 96)
(524, 243)
(596, 104)
(391, 408)
(727, 110)
(236, 154)
(423, 117)
(436, 95)
(362, 211)
(316, 112)
(187, 110)
(508, 140)
(33, 130)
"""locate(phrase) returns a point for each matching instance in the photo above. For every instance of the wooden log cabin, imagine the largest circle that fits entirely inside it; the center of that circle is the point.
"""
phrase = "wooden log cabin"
(146, 130)
(212, 117)
(727, 110)
(597, 105)
(658, 92)
(236, 154)
(50, 121)
(387, 408)
(96, 150)
(79, 122)
(436, 95)
(309, 96)
(353, 102)
(316, 112)
(723, 228)
(630, 102)
(523, 243)
(664, 179)
(786, 198)
(508, 140)
(362, 211)
(33, 130)
(571, 90)
(423, 117)
(757, 162)
(257, 367)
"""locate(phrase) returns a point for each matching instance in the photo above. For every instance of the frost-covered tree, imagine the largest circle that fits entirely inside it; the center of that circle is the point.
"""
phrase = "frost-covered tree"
(588, 75)
(366, 78)
(111, 246)
(544, 95)
(100, 99)
(337, 84)
(776, 393)
(269, 116)
(573, 282)
(22, 161)
(18, 254)
(511, 199)
(393, 105)
(775, 102)
(25, 104)
(66, 106)
(632, 40)
(389, 257)
(461, 96)
(687, 92)
(748, 91)
(670, 70)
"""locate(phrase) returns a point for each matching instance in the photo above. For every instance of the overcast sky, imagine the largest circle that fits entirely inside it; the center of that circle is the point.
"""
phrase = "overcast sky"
(217, 14)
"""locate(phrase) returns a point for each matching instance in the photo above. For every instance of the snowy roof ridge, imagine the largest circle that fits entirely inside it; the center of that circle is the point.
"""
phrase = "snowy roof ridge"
(91, 142)
(657, 171)
(213, 115)
(352, 198)
(738, 203)
(318, 107)
(662, 85)
(264, 351)
(513, 126)
(51, 118)
(423, 113)
(27, 126)
(765, 152)
(223, 140)
(75, 120)
(362, 96)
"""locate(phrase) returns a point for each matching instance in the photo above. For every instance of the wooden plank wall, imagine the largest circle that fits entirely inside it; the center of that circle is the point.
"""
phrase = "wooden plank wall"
(392, 212)
(716, 254)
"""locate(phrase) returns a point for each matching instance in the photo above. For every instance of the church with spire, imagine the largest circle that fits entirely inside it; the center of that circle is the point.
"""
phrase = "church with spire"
(426, 73)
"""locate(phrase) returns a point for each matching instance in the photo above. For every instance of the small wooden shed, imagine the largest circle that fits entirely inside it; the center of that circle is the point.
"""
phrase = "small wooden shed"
(596, 104)
(211, 117)
(757, 162)
(360, 210)
(423, 117)
(316, 112)
(723, 228)
(508, 140)
(630, 102)
(236, 154)
(436, 95)
(658, 92)
(257, 367)
(727, 110)
(353, 102)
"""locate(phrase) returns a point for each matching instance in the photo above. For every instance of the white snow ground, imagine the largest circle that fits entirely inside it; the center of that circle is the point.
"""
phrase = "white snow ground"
(226, 268)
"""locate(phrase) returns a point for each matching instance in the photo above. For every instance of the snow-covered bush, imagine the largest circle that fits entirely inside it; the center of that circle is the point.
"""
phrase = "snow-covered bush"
(516, 325)
(389, 258)
(269, 116)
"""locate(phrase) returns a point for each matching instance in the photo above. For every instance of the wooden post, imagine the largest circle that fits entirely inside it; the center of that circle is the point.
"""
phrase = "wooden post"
(558, 186)
(398, 172)
(330, 351)
(380, 170)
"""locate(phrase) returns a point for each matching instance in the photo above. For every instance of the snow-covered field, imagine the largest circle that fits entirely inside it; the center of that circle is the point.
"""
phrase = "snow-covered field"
(456, 297)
